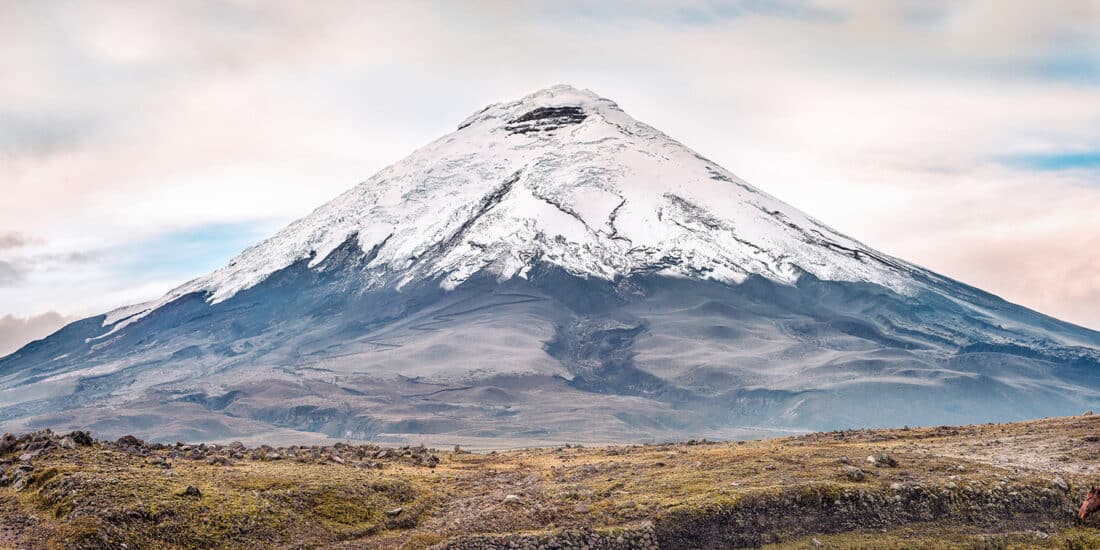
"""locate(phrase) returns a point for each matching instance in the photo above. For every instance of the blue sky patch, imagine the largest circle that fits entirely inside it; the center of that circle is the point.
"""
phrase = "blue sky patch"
(1051, 162)
(188, 252)
(1070, 67)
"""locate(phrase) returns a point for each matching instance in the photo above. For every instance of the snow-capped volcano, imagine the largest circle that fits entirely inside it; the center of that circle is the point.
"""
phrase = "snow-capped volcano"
(564, 177)
(552, 270)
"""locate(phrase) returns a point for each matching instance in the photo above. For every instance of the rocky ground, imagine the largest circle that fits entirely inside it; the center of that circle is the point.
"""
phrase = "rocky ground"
(989, 486)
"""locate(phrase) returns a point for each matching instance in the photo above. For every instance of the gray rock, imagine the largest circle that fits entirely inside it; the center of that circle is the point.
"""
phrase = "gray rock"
(1060, 483)
(884, 460)
(129, 441)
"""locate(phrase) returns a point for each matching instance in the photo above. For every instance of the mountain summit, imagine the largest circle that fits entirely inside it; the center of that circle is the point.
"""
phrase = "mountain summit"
(566, 178)
(553, 270)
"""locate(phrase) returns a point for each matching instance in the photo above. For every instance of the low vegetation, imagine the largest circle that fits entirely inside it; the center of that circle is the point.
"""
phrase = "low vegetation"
(993, 486)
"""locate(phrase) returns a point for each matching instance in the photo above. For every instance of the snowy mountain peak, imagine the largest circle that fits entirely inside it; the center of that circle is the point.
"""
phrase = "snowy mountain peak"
(561, 102)
(563, 177)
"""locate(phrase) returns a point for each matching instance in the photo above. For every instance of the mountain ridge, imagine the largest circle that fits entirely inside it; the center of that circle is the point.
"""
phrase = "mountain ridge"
(553, 270)
(592, 197)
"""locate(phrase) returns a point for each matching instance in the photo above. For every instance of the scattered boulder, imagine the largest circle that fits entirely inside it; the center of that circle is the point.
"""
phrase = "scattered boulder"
(513, 499)
(81, 438)
(192, 491)
(1060, 484)
(854, 474)
(17, 477)
(882, 460)
(128, 442)
(394, 512)
(219, 461)
(7, 443)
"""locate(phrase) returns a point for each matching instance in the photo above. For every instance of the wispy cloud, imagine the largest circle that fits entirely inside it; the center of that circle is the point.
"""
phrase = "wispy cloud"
(17, 269)
(12, 240)
(11, 274)
(94, 280)
(704, 12)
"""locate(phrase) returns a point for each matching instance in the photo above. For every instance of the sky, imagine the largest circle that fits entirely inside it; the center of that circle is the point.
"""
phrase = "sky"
(145, 143)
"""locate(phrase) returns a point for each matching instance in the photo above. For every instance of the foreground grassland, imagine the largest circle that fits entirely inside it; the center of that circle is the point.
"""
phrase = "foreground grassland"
(990, 486)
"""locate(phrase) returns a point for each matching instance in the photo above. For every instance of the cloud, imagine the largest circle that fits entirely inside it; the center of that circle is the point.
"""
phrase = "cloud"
(88, 282)
(16, 270)
(15, 332)
(11, 274)
(12, 240)
(43, 134)
(690, 13)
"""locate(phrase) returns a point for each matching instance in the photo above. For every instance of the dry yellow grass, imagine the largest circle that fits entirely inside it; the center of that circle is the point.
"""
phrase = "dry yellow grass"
(972, 486)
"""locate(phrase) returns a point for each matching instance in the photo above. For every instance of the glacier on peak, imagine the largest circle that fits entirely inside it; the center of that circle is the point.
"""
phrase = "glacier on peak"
(565, 177)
